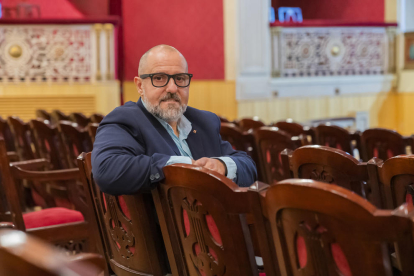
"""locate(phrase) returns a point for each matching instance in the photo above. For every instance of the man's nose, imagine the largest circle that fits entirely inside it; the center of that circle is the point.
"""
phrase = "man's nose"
(171, 86)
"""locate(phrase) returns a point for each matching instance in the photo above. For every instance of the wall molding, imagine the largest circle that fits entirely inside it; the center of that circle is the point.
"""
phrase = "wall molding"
(331, 86)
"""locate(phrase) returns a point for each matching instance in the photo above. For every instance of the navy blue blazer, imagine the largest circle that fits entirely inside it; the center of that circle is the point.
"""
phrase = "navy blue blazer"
(131, 148)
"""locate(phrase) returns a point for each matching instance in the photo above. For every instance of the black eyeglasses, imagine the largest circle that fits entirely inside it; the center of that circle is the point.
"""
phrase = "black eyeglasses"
(161, 79)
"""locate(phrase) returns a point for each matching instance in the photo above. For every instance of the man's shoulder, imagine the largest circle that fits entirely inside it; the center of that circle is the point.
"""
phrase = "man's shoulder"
(128, 111)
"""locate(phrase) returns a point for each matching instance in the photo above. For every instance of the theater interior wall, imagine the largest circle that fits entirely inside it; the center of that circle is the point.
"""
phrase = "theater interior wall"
(22, 99)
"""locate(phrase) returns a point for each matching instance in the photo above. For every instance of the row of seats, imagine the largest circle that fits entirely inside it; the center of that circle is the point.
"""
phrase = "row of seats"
(212, 227)
(265, 144)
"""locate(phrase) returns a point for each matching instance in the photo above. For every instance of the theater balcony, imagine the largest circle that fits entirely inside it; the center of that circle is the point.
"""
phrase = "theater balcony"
(332, 58)
(65, 64)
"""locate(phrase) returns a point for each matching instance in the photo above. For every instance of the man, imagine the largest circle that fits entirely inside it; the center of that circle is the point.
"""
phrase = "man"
(135, 141)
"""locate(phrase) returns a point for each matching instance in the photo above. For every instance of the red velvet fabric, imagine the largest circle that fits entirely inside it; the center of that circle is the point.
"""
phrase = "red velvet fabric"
(337, 253)
(123, 206)
(409, 199)
(51, 216)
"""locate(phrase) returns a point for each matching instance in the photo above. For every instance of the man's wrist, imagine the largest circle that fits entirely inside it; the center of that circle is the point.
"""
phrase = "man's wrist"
(224, 164)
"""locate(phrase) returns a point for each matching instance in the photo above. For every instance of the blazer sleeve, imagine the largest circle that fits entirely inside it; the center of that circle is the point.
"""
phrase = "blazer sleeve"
(246, 168)
(119, 163)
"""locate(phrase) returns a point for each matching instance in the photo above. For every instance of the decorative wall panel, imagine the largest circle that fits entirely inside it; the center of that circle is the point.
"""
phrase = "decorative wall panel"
(57, 53)
(45, 53)
(308, 52)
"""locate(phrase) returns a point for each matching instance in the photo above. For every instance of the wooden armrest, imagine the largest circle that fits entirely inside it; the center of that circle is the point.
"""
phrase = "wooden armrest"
(54, 175)
(90, 259)
(31, 165)
(12, 155)
(4, 225)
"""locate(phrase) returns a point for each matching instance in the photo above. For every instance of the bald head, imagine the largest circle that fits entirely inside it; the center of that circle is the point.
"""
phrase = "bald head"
(157, 52)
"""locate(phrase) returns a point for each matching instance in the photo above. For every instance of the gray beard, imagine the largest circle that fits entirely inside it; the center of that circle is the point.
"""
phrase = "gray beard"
(170, 114)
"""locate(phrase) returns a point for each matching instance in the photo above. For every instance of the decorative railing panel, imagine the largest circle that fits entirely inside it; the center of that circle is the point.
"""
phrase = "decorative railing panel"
(56, 53)
(332, 51)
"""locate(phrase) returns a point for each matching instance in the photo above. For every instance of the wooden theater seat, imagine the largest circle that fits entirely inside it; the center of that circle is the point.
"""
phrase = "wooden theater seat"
(49, 143)
(76, 141)
(22, 254)
(270, 143)
(239, 140)
(128, 227)
(7, 135)
(62, 226)
(332, 166)
(23, 138)
(337, 137)
(322, 229)
(80, 119)
(203, 220)
(395, 177)
(383, 143)
(246, 124)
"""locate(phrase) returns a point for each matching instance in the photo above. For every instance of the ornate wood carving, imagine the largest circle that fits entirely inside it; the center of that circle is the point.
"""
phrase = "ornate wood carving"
(206, 250)
(323, 176)
(119, 227)
(73, 247)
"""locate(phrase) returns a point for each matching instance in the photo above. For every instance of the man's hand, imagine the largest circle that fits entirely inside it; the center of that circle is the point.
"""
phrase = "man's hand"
(211, 164)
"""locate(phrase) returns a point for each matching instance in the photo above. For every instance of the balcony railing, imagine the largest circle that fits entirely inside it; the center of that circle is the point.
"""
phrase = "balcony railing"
(57, 50)
(332, 49)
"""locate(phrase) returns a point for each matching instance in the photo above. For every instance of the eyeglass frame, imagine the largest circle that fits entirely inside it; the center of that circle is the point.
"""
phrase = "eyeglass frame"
(144, 76)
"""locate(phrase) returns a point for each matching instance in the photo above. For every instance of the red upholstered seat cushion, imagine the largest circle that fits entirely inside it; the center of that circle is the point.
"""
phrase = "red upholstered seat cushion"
(51, 216)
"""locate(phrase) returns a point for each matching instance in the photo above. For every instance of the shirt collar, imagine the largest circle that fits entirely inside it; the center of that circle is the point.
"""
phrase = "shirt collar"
(184, 125)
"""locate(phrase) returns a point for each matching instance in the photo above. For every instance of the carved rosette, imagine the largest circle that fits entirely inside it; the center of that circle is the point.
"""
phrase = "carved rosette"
(322, 176)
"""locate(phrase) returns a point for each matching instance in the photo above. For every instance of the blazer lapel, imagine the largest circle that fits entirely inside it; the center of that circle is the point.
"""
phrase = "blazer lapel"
(162, 131)
(195, 143)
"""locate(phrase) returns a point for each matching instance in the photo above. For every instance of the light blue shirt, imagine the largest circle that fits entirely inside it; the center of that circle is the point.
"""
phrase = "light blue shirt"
(184, 128)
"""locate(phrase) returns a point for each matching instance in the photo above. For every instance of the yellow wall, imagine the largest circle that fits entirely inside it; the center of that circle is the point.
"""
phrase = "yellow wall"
(23, 99)
(390, 10)
(382, 108)
(215, 96)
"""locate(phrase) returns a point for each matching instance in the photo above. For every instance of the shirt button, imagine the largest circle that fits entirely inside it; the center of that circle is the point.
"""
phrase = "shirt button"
(157, 175)
(152, 177)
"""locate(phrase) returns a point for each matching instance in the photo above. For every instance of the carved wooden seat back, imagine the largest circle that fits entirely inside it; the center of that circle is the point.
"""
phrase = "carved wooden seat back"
(23, 138)
(246, 124)
(80, 119)
(321, 229)
(11, 207)
(396, 178)
(43, 115)
(49, 144)
(295, 129)
(244, 141)
(331, 166)
(7, 135)
(76, 141)
(58, 116)
(92, 129)
(22, 254)
(270, 143)
(290, 127)
(97, 118)
(202, 216)
(334, 137)
(132, 239)
(231, 133)
(381, 143)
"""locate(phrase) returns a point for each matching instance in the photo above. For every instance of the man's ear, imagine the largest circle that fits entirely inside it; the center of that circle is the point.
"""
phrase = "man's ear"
(138, 84)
